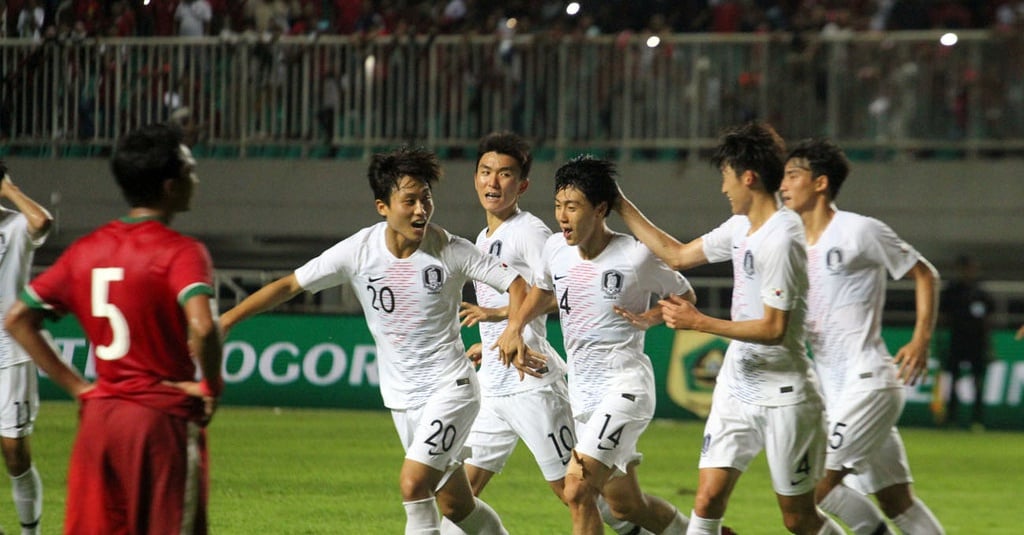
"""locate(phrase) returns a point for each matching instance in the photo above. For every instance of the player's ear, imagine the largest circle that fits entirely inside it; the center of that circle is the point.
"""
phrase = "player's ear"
(382, 208)
(524, 184)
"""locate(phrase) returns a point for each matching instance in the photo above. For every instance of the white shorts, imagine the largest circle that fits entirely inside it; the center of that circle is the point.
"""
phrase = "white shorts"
(888, 467)
(792, 436)
(19, 399)
(858, 424)
(611, 432)
(434, 434)
(541, 417)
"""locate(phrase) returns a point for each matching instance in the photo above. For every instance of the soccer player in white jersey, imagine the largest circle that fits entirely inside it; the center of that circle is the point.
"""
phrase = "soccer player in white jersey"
(603, 282)
(534, 409)
(848, 256)
(21, 233)
(766, 395)
(408, 275)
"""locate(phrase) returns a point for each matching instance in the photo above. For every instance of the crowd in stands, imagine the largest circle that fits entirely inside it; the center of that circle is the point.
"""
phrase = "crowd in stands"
(131, 18)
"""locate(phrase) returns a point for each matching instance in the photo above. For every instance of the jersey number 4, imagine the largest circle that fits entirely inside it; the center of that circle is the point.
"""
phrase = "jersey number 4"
(103, 308)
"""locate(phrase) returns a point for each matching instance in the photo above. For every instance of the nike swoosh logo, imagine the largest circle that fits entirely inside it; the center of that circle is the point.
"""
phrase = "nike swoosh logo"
(560, 277)
(375, 279)
(797, 482)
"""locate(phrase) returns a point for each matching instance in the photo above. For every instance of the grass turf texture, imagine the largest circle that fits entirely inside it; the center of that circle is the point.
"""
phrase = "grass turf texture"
(334, 472)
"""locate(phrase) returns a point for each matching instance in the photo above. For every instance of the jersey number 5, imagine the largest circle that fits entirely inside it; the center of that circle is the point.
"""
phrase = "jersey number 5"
(103, 308)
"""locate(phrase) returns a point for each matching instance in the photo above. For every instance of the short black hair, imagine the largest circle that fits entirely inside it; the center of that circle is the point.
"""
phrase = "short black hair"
(756, 147)
(509, 144)
(823, 157)
(144, 159)
(387, 169)
(593, 177)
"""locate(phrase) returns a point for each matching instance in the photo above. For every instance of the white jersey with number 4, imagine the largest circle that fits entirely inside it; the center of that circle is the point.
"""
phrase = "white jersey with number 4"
(16, 251)
(605, 352)
(518, 242)
(411, 304)
(769, 268)
(847, 268)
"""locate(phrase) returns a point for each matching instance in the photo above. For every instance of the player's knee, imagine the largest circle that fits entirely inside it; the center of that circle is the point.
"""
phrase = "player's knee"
(414, 488)
(801, 522)
(708, 505)
(628, 509)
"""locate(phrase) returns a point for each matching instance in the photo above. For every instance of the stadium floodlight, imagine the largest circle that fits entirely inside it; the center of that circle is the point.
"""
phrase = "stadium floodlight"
(572, 8)
(948, 39)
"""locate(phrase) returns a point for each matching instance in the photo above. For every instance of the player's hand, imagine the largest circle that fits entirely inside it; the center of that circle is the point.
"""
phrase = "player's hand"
(472, 314)
(475, 353)
(1020, 333)
(679, 313)
(530, 363)
(912, 360)
(193, 389)
(642, 321)
(509, 345)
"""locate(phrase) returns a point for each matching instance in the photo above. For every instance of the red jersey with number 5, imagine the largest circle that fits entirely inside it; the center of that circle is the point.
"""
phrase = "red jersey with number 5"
(127, 282)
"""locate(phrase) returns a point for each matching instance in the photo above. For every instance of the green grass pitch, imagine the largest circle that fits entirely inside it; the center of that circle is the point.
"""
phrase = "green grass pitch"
(335, 472)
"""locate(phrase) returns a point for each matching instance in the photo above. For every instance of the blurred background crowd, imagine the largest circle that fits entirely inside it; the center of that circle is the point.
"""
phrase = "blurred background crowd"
(36, 19)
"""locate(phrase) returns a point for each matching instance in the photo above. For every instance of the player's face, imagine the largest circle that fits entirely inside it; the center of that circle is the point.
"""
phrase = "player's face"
(187, 181)
(734, 188)
(409, 209)
(499, 183)
(580, 221)
(799, 189)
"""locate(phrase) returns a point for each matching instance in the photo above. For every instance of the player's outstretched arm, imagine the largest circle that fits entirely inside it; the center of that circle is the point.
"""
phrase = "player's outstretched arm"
(25, 325)
(676, 254)
(264, 299)
(651, 317)
(768, 330)
(912, 358)
(510, 345)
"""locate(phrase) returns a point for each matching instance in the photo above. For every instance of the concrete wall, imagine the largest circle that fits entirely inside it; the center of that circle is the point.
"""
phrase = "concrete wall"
(277, 213)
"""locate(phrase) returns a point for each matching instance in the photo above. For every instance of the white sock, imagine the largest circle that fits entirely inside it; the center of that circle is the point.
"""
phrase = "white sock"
(622, 527)
(918, 518)
(856, 510)
(678, 526)
(482, 521)
(27, 490)
(830, 527)
(703, 526)
(422, 517)
(450, 528)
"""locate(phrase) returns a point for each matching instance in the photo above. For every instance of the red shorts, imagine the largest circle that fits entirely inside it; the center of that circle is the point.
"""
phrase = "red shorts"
(135, 470)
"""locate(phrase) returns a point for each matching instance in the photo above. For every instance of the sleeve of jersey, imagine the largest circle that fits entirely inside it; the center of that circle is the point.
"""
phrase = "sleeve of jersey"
(718, 243)
(329, 269)
(532, 246)
(896, 255)
(664, 280)
(50, 290)
(542, 272)
(480, 266)
(191, 272)
(782, 263)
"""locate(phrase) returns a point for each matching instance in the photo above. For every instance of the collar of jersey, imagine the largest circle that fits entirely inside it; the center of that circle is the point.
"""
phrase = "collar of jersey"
(140, 219)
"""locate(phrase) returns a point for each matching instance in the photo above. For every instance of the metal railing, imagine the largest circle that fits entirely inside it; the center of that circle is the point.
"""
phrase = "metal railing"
(879, 95)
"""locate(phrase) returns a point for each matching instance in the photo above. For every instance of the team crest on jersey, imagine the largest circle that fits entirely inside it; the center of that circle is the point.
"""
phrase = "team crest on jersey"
(433, 278)
(611, 282)
(834, 260)
(748, 263)
(495, 249)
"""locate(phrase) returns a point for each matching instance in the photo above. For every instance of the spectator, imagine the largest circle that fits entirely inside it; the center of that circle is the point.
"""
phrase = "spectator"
(193, 17)
(30, 20)
(966, 311)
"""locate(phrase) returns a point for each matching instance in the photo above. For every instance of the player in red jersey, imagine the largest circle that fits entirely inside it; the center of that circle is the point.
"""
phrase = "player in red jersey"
(141, 292)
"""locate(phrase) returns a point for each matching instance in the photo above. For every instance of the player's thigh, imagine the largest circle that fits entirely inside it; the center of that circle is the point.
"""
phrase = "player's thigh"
(795, 446)
(492, 439)
(887, 467)
(543, 418)
(611, 432)
(19, 400)
(435, 433)
(733, 434)
(859, 424)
